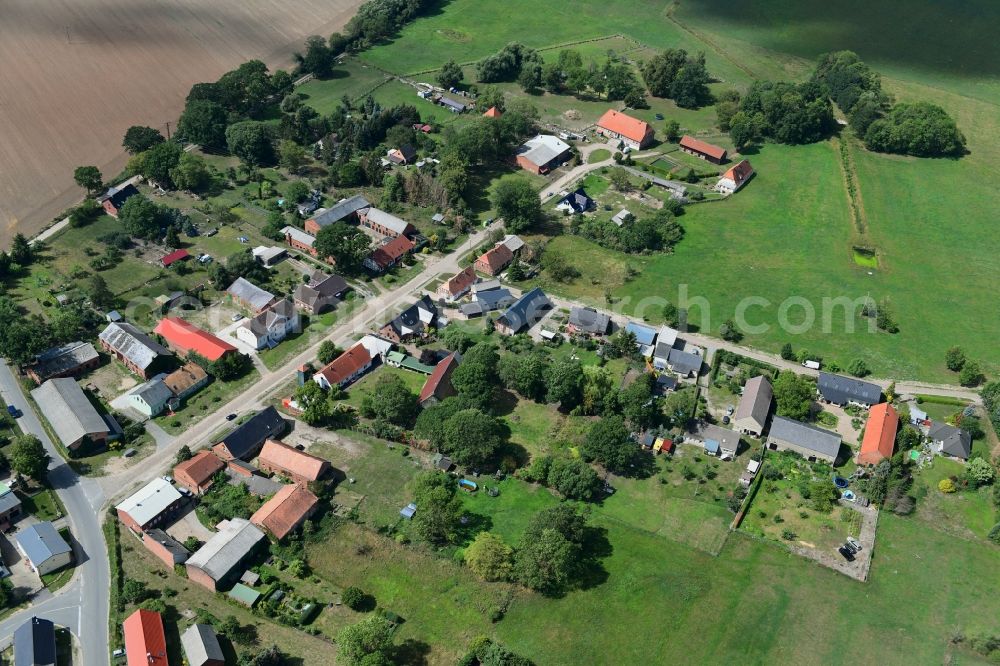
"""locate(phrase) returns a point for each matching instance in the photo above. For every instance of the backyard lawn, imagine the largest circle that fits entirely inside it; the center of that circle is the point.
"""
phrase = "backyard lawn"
(205, 402)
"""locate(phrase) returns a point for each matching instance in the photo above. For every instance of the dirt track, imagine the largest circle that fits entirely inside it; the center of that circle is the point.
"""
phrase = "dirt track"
(74, 74)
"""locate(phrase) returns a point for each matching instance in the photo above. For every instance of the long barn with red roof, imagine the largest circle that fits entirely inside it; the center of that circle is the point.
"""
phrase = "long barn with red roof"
(184, 337)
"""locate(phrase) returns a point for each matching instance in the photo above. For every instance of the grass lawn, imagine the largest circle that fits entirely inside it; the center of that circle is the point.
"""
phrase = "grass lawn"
(599, 155)
(204, 402)
(42, 505)
(967, 513)
(356, 392)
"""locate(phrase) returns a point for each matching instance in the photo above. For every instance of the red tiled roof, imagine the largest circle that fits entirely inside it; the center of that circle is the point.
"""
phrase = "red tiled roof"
(739, 172)
(145, 642)
(880, 434)
(493, 112)
(623, 124)
(187, 337)
(200, 468)
(441, 371)
(346, 364)
(295, 461)
(498, 257)
(392, 251)
(176, 255)
(461, 282)
(703, 147)
(285, 511)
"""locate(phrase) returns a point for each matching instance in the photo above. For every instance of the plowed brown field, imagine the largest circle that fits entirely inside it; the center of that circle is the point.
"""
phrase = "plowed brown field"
(75, 74)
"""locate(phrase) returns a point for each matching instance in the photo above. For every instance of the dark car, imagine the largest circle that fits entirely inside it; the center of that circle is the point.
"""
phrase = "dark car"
(846, 553)
(14, 411)
(230, 417)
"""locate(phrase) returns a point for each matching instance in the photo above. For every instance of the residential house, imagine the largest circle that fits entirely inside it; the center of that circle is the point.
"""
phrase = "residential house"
(645, 337)
(454, 288)
(201, 646)
(150, 398)
(949, 441)
(702, 149)
(525, 311)
(268, 257)
(68, 360)
(186, 380)
(165, 548)
(321, 293)
(634, 133)
(542, 153)
(145, 641)
(685, 363)
(726, 442)
(223, 558)
(10, 507)
(345, 209)
(754, 407)
(438, 385)
(172, 258)
(113, 200)
(353, 363)
(389, 254)
(297, 466)
(245, 441)
(151, 506)
(271, 326)
(70, 413)
(196, 473)
(840, 390)
(184, 337)
(137, 351)
(405, 154)
(493, 261)
(44, 548)
(485, 301)
(735, 178)
(35, 643)
(808, 441)
(300, 240)
(880, 434)
(664, 384)
(587, 321)
(286, 511)
(576, 202)
(385, 224)
(249, 296)
(413, 322)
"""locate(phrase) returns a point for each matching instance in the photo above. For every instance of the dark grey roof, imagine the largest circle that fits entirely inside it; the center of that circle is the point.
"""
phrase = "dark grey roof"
(64, 358)
(227, 548)
(8, 501)
(662, 350)
(41, 542)
(589, 320)
(494, 299)
(247, 438)
(666, 382)
(839, 389)
(578, 201)
(35, 643)
(954, 441)
(133, 344)
(805, 436)
(684, 362)
(756, 400)
(339, 211)
(201, 645)
(526, 310)
(119, 195)
(415, 318)
(172, 545)
(154, 392)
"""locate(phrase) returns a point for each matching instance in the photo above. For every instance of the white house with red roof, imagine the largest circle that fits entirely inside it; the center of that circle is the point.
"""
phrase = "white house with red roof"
(735, 178)
(633, 132)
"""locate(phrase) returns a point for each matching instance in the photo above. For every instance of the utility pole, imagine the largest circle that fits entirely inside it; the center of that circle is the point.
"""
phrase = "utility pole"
(168, 130)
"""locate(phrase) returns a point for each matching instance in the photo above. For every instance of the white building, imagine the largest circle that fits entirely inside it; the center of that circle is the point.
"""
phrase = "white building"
(735, 178)
(271, 326)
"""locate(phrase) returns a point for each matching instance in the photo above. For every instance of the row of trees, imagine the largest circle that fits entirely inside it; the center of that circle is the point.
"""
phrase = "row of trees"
(921, 128)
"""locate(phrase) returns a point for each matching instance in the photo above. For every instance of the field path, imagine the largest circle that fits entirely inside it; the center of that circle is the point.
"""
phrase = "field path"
(77, 73)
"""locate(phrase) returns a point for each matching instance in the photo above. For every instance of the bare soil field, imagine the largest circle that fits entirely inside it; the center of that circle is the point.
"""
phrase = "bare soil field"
(75, 74)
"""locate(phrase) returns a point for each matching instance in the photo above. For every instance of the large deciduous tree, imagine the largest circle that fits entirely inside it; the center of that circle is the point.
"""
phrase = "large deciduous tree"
(203, 122)
(139, 138)
(517, 202)
(89, 178)
(609, 443)
(391, 401)
(29, 458)
(794, 395)
(439, 509)
(250, 141)
(346, 245)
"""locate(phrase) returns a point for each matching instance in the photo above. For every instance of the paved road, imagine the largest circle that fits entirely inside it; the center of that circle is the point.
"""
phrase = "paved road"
(89, 587)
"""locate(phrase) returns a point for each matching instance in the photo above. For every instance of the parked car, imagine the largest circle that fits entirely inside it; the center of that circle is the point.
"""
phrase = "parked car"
(14, 411)
(230, 417)
(129, 453)
(168, 479)
(846, 554)
(237, 317)
(851, 548)
(854, 544)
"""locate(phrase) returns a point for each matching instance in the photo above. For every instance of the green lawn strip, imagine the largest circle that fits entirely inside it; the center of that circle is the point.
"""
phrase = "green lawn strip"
(205, 402)
(44, 505)
(357, 391)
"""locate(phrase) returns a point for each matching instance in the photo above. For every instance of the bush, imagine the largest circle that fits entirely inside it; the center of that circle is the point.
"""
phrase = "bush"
(353, 598)
(946, 486)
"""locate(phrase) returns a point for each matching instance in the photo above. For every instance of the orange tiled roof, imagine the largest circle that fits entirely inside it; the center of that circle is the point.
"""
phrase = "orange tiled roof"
(623, 124)
(498, 257)
(187, 337)
(145, 642)
(285, 511)
(295, 461)
(346, 364)
(880, 434)
(703, 147)
(201, 467)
